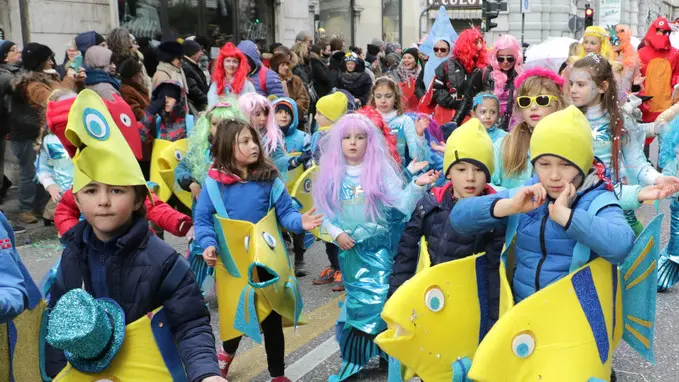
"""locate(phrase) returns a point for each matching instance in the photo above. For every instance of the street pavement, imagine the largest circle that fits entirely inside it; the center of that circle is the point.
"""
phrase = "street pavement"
(312, 353)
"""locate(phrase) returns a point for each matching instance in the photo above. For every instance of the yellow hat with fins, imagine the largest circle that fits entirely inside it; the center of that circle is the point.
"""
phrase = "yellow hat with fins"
(470, 143)
(103, 154)
(565, 134)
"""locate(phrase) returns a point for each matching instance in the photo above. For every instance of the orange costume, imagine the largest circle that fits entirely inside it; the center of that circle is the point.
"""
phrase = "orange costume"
(660, 65)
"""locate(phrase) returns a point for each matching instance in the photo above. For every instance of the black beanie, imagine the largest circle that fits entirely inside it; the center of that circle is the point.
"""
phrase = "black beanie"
(129, 68)
(5, 46)
(191, 47)
(98, 39)
(34, 55)
(168, 51)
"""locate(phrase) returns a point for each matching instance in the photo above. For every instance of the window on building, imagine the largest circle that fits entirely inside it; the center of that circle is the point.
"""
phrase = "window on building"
(141, 17)
(335, 16)
(391, 20)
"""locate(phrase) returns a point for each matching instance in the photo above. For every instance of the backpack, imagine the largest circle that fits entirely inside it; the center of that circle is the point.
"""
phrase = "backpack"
(261, 76)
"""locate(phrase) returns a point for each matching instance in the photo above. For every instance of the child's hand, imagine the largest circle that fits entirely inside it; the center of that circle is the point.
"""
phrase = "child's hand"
(421, 125)
(311, 221)
(195, 190)
(655, 192)
(438, 146)
(210, 256)
(559, 210)
(55, 192)
(214, 379)
(526, 200)
(414, 166)
(169, 104)
(428, 177)
(669, 184)
(344, 241)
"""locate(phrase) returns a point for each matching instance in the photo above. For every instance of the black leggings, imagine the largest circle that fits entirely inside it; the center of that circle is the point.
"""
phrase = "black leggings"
(274, 344)
(333, 252)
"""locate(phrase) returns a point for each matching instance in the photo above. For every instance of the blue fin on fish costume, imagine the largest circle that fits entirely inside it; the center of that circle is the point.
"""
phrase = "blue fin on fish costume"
(356, 348)
(585, 290)
(293, 285)
(167, 346)
(49, 278)
(395, 373)
(668, 264)
(246, 320)
(224, 254)
(639, 283)
(461, 369)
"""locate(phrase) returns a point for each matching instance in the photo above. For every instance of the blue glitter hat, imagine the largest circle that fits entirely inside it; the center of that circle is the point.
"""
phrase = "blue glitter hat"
(89, 331)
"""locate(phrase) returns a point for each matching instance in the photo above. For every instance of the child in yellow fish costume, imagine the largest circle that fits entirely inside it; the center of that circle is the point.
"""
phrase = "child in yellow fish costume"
(236, 220)
(161, 330)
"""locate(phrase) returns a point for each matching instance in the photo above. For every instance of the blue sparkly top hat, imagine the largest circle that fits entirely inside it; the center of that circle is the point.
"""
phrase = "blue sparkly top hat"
(89, 331)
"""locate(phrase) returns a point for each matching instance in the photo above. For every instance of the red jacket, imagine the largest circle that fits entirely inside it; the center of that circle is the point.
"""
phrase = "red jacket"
(67, 215)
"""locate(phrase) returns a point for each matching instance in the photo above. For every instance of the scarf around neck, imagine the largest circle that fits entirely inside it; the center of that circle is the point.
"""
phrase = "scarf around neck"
(97, 76)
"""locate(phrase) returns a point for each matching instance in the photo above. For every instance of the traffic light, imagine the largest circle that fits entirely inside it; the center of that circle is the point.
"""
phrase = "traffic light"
(589, 16)
(491, 10)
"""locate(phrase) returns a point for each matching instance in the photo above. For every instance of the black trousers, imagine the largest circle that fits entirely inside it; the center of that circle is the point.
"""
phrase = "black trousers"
(274, 344)
(333, 252)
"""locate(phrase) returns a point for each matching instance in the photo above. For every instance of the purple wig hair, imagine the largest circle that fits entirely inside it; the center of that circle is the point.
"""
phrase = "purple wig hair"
(273, 138)
(505, 41)
(434, 129)
(378, 169)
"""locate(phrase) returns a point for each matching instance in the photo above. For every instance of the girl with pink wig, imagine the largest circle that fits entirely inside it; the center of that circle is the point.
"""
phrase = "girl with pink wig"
(366, 207)
(258, 110)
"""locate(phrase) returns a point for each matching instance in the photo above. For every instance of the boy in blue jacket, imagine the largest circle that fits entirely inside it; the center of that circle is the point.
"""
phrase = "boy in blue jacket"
(13, 283)
(112, 254)
(468, 162)
(568, 201)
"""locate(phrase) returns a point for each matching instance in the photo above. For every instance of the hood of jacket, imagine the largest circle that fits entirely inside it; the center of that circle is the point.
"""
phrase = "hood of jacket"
(223, 177)
(85, 40)
(24, 78)
(250, 50)
(360, 67)
(295, 117)
(440, 192)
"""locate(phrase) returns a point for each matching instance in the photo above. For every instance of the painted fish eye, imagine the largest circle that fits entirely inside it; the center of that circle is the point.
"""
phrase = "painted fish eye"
(95, 124)
(523, 344)
(270, 241)
(434, 299)
(247, 243)
(125, 119)
(178, 155)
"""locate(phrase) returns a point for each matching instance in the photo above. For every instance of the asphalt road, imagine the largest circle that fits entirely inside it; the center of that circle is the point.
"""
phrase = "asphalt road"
(312, 353)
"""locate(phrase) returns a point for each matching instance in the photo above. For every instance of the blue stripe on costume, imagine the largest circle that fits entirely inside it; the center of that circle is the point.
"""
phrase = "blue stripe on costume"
(167, 347)
(584, 287)
(482, 290)
(614, 270)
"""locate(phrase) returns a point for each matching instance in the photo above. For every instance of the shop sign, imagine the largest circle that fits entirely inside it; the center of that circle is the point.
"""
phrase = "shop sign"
(456, 3)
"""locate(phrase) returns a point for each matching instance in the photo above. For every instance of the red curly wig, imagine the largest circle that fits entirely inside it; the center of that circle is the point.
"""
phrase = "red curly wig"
(376, 118)
(466, 51)
(239, 78)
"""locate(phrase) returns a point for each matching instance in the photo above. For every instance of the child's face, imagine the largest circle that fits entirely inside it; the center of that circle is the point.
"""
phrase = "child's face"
(591, 44)
(584, 92)
(259, 117)
(554, 173)
(534, 112)
(107, 208)
(487, 112)
(322, 120)
(283, 118)
(246, 150)
(354, 144)
(384, 99)
(351, 66)
(468, 179)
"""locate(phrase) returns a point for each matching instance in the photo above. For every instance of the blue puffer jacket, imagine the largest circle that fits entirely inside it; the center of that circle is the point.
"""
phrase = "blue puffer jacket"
(544, 249)
(133, 276)
(273, 81)
(296, 141)
(14, 282)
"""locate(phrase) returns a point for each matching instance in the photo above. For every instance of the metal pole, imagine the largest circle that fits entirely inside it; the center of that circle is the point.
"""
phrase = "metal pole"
(523, 25)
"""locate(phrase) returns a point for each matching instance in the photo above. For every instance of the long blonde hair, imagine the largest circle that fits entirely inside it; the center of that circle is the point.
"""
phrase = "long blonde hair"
(517, 142)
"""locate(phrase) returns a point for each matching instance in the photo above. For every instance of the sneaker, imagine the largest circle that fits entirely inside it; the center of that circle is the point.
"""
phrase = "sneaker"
(18, 229)
(224, 359)
(339, 284)
(327, 276)
(27, 218)
(282, 378)
(299, 270)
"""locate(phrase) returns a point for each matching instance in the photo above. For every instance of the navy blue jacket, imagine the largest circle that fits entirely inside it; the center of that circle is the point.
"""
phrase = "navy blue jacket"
(134, 274)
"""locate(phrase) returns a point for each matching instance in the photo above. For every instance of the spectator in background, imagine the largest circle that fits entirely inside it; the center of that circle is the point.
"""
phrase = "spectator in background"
(195, 79)
(10, 66)
(230, 75)
(133, 89)
(300, 61)
(336, 45)
(374, 49)
(354, 79)
(296, 90)
(69, 58)
(266, 81)
(324, 79)
(101, 73)
(123, 45)
(170, 54)
(148, 54)
(392, 47)
(89, 39)
(359, 52)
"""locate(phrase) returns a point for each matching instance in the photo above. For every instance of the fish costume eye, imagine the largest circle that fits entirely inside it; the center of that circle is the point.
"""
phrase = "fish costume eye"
(247, 244)
(125, 119)
(434, 299)
(523, 345)
(270, 241)
(95, 124)
(178, 155)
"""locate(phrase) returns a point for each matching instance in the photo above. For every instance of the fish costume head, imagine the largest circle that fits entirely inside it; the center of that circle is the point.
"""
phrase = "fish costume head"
(168, 159)
(437, 317)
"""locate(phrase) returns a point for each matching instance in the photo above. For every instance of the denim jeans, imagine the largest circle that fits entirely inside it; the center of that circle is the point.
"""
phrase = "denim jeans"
(28, 188)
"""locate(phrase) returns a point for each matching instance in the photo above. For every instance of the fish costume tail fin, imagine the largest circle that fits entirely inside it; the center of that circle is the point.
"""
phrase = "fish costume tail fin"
(356, 348)
(668, 264)
(639, 275)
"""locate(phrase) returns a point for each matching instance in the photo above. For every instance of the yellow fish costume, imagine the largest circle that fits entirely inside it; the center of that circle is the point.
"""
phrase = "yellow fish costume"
(165, 158)
(301, 193)
(254, 274)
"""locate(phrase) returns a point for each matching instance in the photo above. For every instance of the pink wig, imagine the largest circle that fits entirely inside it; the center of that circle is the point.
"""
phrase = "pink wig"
(538, 72)
(505, 41)
(378, 169)
(273, 137)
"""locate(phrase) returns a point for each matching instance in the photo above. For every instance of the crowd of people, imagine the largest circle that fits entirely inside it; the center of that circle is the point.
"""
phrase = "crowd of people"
(436, 152)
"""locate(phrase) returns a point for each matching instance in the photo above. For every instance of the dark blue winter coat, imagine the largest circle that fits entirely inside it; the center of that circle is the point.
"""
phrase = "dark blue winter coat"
(134, 271)
(273, 81)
